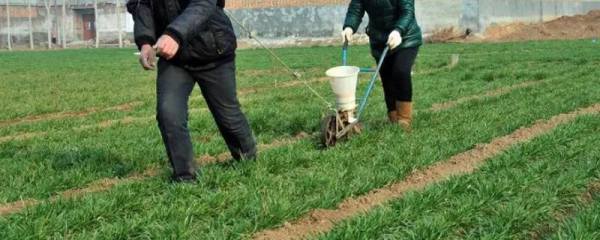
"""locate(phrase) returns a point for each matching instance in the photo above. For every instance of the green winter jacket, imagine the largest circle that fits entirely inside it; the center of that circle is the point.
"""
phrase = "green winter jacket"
(384, 17)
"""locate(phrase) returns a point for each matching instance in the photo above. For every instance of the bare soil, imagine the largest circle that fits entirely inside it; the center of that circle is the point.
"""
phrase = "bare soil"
(492, 93)
(62, 115)
(566, 27)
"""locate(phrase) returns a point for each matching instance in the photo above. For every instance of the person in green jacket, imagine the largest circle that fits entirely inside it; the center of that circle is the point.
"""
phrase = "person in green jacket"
(392, 23)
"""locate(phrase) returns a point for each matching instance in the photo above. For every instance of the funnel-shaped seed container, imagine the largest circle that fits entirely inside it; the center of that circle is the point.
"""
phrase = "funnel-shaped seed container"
(343, 82)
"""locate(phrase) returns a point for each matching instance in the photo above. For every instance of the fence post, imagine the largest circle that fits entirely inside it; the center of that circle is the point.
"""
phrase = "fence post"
(30, 24)
(56, 23)
(64, 24)
(118, 5)
(541, 11)
(8, 35)
(469, 18)
(48, 23)
(96, 24)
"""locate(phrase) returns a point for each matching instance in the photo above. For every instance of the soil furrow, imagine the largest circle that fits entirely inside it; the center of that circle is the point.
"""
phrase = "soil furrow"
(322, 220)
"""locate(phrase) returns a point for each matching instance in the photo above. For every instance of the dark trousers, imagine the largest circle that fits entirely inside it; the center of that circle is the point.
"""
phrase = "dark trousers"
(174, 85)
(396, 76)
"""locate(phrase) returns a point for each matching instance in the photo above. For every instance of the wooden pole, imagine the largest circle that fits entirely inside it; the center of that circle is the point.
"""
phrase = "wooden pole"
(118, 5)
(96, 24)
(48, 23)
(9, 33)
(30, 25)
(56, 23)
(64, 24)
(541, 11)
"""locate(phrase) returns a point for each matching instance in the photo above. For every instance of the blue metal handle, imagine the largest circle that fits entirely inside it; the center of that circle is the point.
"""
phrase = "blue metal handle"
(363, 103)
(345, 59)
(345, 53)
(367, 70)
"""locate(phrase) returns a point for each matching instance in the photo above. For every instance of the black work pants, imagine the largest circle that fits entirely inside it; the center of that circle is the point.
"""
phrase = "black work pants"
(218, 85)
(396, 76)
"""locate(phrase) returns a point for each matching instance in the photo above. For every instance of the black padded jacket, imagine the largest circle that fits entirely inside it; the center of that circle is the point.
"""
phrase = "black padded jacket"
(205, 34)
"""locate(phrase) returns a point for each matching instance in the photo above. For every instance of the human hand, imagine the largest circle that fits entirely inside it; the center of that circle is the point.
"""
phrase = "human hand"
(394, 40)
(166, 47)
(347, 34)
(147, 57)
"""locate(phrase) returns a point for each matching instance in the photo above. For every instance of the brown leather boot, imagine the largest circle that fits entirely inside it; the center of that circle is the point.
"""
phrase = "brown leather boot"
(393, 117)
(404, 111)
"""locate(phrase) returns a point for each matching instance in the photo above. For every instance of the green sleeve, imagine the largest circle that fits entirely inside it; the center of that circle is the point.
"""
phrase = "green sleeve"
(407, 14)
(354, 15)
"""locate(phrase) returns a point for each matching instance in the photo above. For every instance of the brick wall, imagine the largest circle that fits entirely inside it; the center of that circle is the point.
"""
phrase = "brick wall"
(18, 12)
(251, 4)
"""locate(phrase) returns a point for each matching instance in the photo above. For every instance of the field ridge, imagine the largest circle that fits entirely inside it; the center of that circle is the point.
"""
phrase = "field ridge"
(322, 220)
(14, 207)
(62, 115)
(586, 199)
(491, 93)
(129, 120)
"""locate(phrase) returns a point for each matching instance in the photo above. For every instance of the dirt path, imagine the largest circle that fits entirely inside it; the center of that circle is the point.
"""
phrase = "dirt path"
(128, 120)
(323, 220)
(101, 125)
(123, 107)
(93, 187)
(493, 93)
(62, 115)
(130, 105)
(106, 184)
(22, 136)
(14, 207)
(226, 156)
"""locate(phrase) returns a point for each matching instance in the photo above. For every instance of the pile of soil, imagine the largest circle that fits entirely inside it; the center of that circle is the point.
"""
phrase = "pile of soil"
(445, 35)
(566, 27)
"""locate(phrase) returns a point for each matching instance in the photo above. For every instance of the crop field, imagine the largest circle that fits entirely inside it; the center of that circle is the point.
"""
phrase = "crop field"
(505, 145)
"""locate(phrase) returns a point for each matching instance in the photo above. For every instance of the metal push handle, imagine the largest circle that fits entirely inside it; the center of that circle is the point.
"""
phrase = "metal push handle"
(363, 103)
(345, 52)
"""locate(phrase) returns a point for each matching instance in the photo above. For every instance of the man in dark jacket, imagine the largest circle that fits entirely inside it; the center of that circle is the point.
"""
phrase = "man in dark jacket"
(392, 23)
(196, 43)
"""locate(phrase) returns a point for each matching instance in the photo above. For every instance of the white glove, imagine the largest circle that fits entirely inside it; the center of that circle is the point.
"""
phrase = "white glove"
(394, 40)
(347, 34)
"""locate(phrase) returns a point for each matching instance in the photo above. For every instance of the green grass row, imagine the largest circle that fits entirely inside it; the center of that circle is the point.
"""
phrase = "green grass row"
(516, 195)
(72, 80)
(65, 159)
(107, 153)
(482, 72)
(288, 182)
(471, 73)
(585, 224)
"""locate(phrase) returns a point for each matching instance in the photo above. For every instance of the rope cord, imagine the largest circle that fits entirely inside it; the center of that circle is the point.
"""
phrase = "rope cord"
(278, 59)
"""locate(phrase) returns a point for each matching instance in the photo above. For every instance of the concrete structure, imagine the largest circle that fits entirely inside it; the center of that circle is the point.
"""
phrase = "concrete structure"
(278, 21)
(480, 14)
(79, 25)
(325, 19)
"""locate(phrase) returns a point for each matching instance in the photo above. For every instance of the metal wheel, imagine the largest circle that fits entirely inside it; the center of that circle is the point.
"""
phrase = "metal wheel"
(329, 131)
